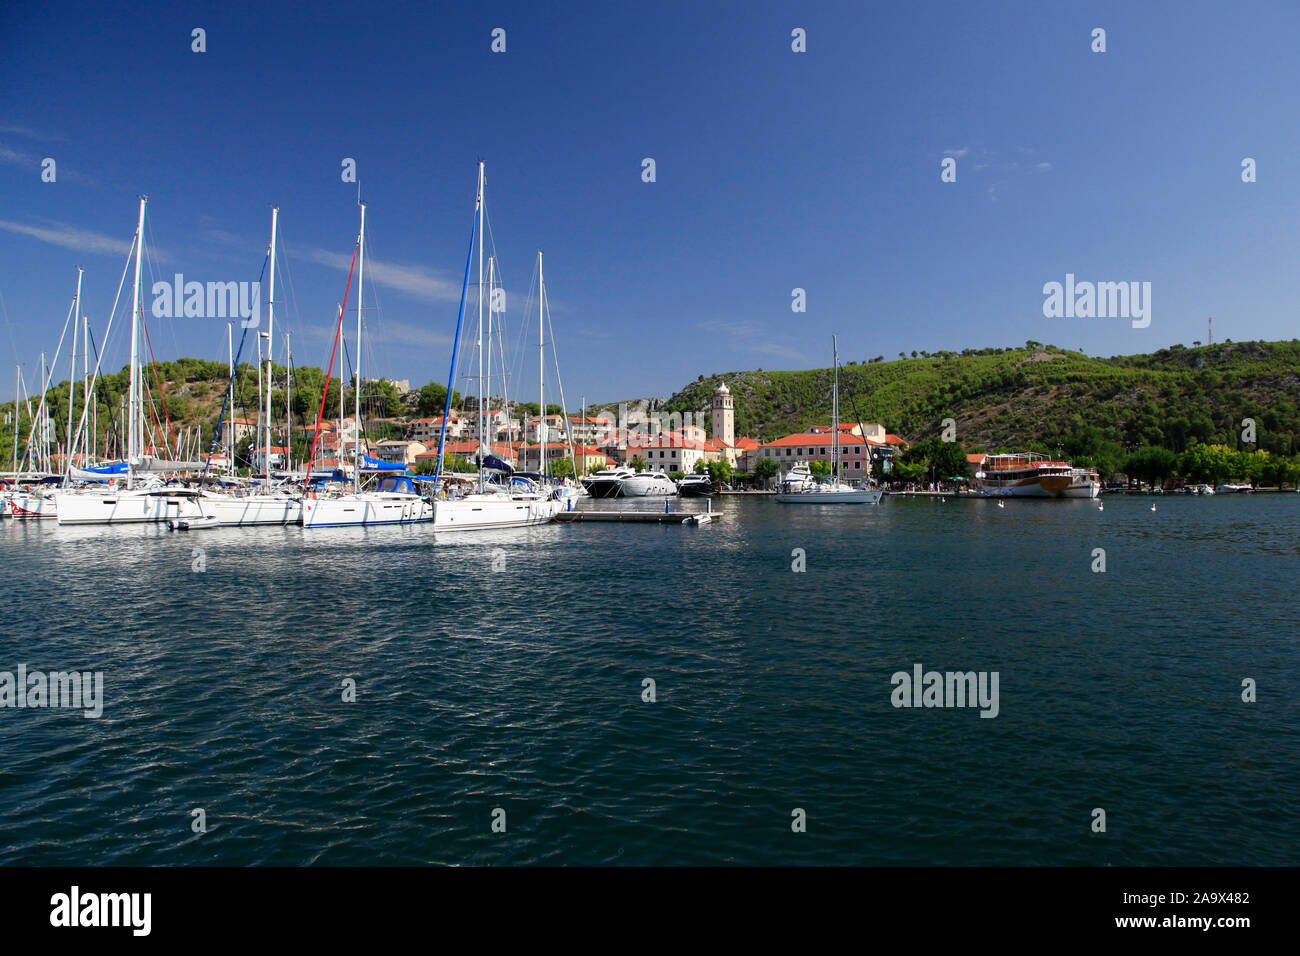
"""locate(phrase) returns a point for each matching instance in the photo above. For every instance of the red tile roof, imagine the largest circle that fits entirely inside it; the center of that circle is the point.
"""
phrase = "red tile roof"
(824, 436)
(817, 438)
(499, 449)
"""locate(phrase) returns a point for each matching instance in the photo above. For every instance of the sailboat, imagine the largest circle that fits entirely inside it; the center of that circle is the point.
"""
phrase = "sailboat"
(145, 498)
(803, 489)
(394, 500)
(488, 505)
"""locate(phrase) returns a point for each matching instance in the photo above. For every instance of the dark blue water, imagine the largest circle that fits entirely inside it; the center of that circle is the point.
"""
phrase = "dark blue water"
(521, 689)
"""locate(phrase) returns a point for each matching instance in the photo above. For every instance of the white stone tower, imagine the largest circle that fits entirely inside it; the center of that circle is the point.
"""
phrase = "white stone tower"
(724, 415)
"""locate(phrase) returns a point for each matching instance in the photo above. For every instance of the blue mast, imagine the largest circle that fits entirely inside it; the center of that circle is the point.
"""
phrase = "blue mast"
(455, 345)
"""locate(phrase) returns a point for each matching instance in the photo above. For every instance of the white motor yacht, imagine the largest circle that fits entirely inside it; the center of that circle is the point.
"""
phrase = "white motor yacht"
(647, 484)
(605, 483)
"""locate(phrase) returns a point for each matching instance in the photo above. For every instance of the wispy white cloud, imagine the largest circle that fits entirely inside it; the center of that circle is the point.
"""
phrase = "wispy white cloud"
(15, 157)
(737, 328)
(71, 237)
(414, 281)
(229, 238)
(775, 348)
(1003, 169)
(381, 333)
(749, 336)
(30, 133)
(587, 332)
(402, 333)
(959, 153)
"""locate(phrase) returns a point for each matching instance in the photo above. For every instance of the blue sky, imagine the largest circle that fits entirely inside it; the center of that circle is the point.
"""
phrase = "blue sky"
(775, 170)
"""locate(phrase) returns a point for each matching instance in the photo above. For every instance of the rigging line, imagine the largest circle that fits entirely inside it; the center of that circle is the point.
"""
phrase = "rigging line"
(347, 360)
(524, 342)
(505, 385)
(283, 263)
(230, 387)
(517, 360)
(455, 346)
(112, 418)
(161, 394)
(153, 276)
(108, 329)
(564, 408)
(153, 273)
(513, 373)
(326, 390)
(255, 371)
(866, 445)
(13, 344)
(366, 347)
(45, 384)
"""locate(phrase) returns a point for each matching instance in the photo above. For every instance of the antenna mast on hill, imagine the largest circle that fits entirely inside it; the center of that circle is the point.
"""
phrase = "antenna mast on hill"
(1211, 336)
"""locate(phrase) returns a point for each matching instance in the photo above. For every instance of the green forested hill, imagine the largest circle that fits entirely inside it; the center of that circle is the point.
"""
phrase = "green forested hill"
(1037, 397)
(1032, 398)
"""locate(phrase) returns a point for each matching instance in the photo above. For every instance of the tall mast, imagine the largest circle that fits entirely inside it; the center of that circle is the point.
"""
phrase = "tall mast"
(270, 337)
(288, 399)
(487, 382)
(85, 382)
(541, 371)
(481, 184)
(230, 398)
(133, 399)
(92, 410)
(44, 414)
(257, 434)
(356, 398)
(338, 444)
(18, 375)
(835, 412)
(505, 386)
(72, 372)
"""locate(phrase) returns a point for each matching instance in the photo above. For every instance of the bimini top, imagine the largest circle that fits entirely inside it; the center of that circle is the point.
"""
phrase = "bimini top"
(397, 483)
(494, 463)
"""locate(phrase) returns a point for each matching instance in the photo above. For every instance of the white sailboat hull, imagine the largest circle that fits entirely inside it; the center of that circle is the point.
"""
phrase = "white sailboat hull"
(366, 508)
(124, 507)
(25, 506)
(476, 512)
(234, 511)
